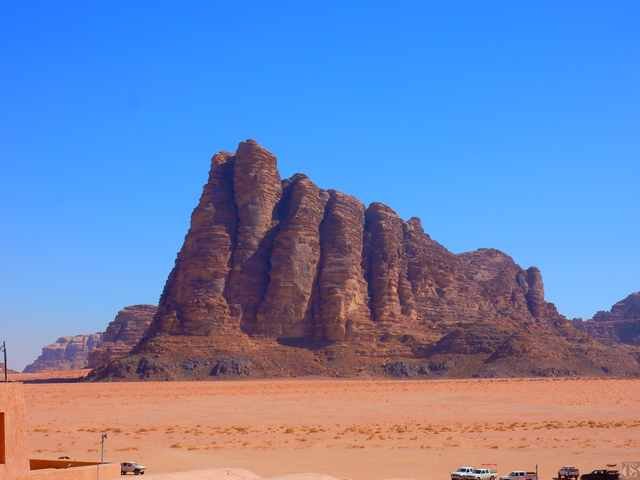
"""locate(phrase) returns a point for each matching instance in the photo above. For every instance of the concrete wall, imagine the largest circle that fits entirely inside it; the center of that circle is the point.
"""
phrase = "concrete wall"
(105, 471)
(40, 464)
(16, 464)
(16, 452)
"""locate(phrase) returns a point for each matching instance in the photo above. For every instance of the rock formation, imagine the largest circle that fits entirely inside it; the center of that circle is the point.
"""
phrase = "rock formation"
(341, 302)
(621, 324)
(280, 277)
(67, 353)
(122, 334)
(95, 350)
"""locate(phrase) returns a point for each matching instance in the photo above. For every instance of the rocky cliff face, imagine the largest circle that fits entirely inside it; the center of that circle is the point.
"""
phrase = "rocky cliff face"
(122, 334)
(621, 324)
(98, 349)
(284, 278)
(67, 353)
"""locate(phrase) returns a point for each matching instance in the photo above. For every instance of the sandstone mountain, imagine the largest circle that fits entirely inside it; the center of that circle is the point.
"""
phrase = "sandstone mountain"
(283, 278)
(67, 353)
(122, 334)
(621, 324)
(95, 350)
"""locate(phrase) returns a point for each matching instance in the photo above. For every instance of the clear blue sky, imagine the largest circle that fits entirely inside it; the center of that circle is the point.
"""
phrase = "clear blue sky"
(500, 125)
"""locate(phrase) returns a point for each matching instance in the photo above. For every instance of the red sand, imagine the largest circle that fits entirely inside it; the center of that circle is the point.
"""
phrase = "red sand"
(360, 429)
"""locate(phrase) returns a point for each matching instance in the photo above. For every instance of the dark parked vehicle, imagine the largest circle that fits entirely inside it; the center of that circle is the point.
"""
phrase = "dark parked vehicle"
(568, 473)
(601, 475)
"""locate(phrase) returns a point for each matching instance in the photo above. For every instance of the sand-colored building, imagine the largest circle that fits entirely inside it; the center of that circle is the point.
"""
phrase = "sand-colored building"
(15, 463)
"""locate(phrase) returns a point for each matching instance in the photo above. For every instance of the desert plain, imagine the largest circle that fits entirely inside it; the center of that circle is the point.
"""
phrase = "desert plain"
(353, 429)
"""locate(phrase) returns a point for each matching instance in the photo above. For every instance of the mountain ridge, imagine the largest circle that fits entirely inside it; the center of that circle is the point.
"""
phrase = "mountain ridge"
(619, 325)
(94, 350)
(66, 353)
(282, 278)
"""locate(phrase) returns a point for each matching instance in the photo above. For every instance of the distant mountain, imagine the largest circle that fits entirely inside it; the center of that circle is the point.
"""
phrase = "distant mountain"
(91, 351)
(283, 278)
(67, 353)
(621, 324)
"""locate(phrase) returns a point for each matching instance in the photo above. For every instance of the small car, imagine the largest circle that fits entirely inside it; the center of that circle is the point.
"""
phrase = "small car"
(462, 472)
(132, 467)
(601, 474)
(568, 473)
(520, 475)
(482, 474)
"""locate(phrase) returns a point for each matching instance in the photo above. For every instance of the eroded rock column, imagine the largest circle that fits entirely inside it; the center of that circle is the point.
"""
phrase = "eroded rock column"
(257, 190)
(294, 261)
(389, 288)
(342, 290)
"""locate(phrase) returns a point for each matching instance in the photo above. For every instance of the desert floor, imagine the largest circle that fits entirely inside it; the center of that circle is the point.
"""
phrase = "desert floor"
(357, 429)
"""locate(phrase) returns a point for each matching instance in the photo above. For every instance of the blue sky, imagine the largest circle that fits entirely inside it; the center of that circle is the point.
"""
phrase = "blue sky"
(498, 124)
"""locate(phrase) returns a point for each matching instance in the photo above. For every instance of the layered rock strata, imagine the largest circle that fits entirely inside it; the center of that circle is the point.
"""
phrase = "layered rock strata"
(67, 353)
(281, 277)
(620, 325)
(122, 334)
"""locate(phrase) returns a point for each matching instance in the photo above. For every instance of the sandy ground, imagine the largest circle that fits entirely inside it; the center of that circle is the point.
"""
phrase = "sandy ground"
(357, 429)
(233, 474)
(52, 376)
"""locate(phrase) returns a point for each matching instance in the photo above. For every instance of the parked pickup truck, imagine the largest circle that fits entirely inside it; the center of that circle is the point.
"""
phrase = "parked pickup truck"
(601, 475)
(462, 473)
(568, 473)
(132, 467)
(520, 475)
(482, 474)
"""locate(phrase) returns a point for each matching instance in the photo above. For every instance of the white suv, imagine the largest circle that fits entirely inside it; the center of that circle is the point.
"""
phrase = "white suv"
(483, 474)
(520, 475)
(462, 473)
(132, 467)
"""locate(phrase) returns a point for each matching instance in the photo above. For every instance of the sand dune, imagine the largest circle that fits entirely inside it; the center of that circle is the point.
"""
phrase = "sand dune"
(358, 429)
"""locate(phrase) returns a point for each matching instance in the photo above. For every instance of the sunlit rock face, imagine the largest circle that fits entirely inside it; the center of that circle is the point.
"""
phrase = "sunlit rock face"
(282, 277)
(67, 353)
(621, 324)
(123, 333)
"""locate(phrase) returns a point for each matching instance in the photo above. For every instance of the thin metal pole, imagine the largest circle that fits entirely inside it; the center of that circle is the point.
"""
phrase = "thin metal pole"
(102, 439)
(6, 371)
